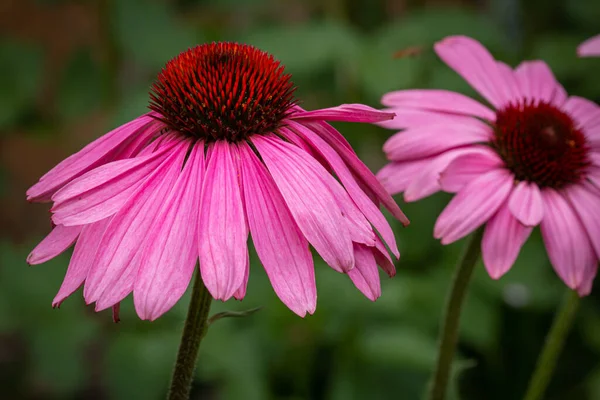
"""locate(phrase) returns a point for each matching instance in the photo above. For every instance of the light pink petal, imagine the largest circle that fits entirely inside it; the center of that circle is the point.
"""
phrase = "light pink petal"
(303, 184)
(171, 251)
(365, 275)
(81, 260)
(240, 293)
(473, 206)
(443, 101)
(119, 253)
(476, 65)
(526, 204)
(98, 152)
(222, 231)
(102, 191)
(586, 114)
(590, 47)
(360, 198)
(512, 90)
(280, 245)
(57, 241)
(585, 199)
(364, 176)
(537, 83)
(417, 118)
(426, 141)
(502, 240)
(585, 287)
(567, 242)
(468, 166)
(396, 176)
(345, 113)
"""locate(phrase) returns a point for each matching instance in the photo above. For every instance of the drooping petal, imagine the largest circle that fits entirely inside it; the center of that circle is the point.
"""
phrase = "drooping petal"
(526, 204)
(365, 275)
(397, 176)
(473, 206)
(502, 240)
(438, 100)
(117, 260)
(91, 156)
(590, 47)
(537, 83)
(302, 183)
(222, 230)
(240, 293)
(567, 242)
(281, 247)
(57, 241)
(468, 166)
(585, 199)
(383, 258)
(345, 113)
(171, 251)
(416, 118)
(81, 260)
(476, 65)
(589, 275)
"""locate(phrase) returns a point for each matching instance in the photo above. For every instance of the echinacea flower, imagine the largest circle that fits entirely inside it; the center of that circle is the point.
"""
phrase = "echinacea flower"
(590, 47)
(225, 153)
(532, 159)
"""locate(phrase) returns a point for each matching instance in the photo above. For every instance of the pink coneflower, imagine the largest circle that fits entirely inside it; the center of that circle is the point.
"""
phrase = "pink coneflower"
(532, 160)
(590, 48)
(224, 153)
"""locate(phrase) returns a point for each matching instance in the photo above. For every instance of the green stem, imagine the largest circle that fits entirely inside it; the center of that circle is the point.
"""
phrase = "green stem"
(553, 346)
(449, 330)
(193, 332)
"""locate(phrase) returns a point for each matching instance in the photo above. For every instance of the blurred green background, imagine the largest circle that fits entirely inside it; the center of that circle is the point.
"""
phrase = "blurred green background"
(71, 70)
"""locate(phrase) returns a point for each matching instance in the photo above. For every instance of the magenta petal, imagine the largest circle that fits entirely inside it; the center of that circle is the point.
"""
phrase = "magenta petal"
(438, 100)
(240, 293)
(526, 204)
(117, 261)
(222, 230)
(417, 118)
(302, 183)
(502, 240)
(585, 287)
(473, 206)
(57, 241)
(590, 47)
(363, 202)
(383, 258)
(365, 275)
(466, 167)
(280, 245)
(345, 113)
(171, 248)
(585, 199)
(81, 260)
(567, 242)
(537, 83)
(94, 154)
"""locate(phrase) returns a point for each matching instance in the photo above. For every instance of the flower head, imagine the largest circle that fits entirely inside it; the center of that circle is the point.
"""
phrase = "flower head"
(534, 159)
(590, 47)
(225, 153)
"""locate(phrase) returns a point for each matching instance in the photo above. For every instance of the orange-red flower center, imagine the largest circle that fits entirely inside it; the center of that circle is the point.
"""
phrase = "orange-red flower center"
(541, 144)
(223, 91)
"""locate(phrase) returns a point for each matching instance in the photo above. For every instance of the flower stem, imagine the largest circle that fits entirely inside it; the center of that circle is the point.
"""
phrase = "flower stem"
(553, 346)
(193, 332)
(449, 330)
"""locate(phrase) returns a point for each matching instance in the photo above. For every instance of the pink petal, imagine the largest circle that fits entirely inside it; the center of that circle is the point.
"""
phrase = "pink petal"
(586, 114)
(57, 241)
(417, 118)
(473, 206)
(115, 266)
(383, 258)
(363, 202)
(502, 240)
(585, 199)
(537, 83)
(171, 250)
(431, 140)
(363, 174)
(468, 166)
(512, 90)
(81, 260)
(98, 152)
(567, 242)
(526, 204)
(345, 113)
(240, 293)
(590, 47)
(280, 245)
(102, 191)
(476, 65)
(438, 100)
(365, 275)
(303, 184)
(222, 230)
(397, 176)
(585, 288)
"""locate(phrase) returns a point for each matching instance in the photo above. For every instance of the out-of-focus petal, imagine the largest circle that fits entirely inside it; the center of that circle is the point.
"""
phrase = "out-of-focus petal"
(537, 83)
(526, 204)
(466, 167)
(590, 47)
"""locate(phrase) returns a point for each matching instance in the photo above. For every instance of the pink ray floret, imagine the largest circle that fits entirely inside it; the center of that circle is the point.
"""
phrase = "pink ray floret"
(590, 47)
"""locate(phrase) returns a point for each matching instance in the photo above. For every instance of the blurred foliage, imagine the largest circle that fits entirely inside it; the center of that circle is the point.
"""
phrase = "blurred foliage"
(338, 51)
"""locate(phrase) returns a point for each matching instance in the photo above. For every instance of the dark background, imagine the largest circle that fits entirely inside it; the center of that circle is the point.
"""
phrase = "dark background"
(72, 70)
